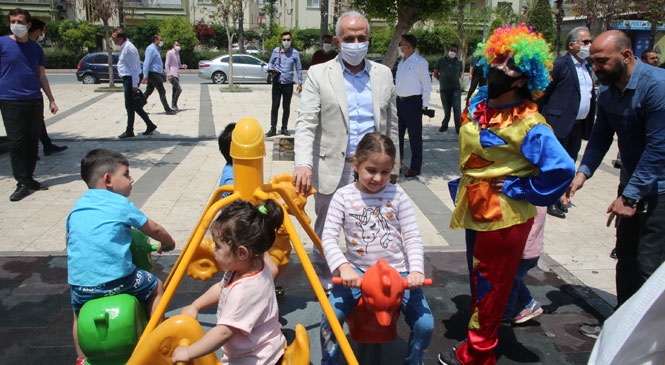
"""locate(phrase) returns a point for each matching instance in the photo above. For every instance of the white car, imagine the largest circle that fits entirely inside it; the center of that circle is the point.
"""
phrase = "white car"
(248, 50)
(246, 68)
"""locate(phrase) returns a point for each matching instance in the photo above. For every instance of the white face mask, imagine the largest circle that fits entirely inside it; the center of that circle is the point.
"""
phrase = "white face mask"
(19, 30)
(452, 54)
(161, 43)
(400, 52)
(584, 52)
(354, 53)
(327, 47)
(286, 44)
(177, 48)
(41, 38)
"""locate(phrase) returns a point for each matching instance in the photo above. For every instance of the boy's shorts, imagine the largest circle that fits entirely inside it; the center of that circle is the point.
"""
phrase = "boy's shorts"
(140, 284)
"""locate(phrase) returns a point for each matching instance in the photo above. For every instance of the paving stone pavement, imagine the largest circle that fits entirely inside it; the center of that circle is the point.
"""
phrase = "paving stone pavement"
(176, 170)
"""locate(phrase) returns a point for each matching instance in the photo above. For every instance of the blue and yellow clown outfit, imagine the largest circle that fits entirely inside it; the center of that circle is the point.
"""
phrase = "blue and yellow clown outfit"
(515, 142)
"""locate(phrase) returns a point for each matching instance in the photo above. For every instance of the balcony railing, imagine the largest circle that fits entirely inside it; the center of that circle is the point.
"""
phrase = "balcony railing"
(160, 4)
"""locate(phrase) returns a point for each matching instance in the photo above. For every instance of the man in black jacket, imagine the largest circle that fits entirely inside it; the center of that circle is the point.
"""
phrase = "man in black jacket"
(569, 102)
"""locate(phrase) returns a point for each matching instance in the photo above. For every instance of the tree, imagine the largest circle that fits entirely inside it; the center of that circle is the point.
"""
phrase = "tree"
(654, 12)
(559, 21)
(602, 12)
(540, 18)
(404, 14)
(228, 13)
(177, 28)
(102, 10)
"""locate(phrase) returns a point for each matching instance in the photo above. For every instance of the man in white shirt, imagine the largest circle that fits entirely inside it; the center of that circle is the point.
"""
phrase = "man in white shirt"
(129, 69)
(412, 86)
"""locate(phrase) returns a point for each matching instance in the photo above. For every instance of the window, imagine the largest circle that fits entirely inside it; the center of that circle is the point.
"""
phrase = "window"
(313, 4)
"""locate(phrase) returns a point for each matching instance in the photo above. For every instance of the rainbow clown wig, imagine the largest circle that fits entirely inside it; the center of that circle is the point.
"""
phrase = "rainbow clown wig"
(529, 50)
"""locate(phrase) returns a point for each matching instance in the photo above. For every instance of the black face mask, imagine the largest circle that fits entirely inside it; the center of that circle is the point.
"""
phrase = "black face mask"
(498, 83)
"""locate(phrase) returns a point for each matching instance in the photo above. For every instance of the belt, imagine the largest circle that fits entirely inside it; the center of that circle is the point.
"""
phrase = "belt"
(580, 121)
(349, 159)
(404, 98)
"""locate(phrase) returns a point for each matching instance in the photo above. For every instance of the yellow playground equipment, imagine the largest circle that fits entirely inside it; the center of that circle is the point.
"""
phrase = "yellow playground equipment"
(197, 258)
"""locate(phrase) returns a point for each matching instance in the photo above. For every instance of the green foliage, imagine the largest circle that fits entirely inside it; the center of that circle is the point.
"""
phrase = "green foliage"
(541, 19)
(435, 41)
(311, 39)
(380, 40)
(141, 34)
(180, 29)
(79, 36)
(67, 59)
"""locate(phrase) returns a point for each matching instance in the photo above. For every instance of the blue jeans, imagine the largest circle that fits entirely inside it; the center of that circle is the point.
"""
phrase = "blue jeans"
(520, 292)
(417, 315)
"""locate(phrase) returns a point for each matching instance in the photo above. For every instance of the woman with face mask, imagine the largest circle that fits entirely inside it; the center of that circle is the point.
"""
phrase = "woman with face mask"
(510, 162)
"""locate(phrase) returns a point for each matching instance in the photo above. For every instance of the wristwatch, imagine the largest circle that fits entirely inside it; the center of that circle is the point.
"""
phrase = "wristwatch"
(629, 202)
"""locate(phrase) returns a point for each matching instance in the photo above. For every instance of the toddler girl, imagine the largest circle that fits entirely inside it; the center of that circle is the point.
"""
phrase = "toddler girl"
(248, 328)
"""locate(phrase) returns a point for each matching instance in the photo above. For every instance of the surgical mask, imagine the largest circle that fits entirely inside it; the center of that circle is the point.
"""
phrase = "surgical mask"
(452, 54)
(400, 52)
(19, 30)
(177, 48)
(41, 38)
(354, 53)
(498, 83)
(584, 52)
(286, 44)
(161, 43)
(327, 47)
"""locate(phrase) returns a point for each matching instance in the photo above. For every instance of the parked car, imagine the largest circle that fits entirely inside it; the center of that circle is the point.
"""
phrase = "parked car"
(246, 68)
(380, 60)
(248, 50)
(93, 68)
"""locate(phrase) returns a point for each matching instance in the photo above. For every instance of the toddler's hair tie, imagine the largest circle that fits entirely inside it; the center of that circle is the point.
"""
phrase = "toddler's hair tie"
(263, 209)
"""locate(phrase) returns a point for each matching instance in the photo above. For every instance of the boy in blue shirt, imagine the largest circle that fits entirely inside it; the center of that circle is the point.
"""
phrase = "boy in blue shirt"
(99, 227)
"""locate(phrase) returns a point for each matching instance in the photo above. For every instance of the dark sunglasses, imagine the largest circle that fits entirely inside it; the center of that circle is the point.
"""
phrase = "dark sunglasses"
(586, 42)
(286, 39)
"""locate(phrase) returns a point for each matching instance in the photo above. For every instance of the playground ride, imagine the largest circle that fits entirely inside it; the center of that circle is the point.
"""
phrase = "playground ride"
(374, 319)
(158, 341)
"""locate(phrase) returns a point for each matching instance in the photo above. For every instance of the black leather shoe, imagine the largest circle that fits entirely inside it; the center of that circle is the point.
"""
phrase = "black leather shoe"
(412, 173)
(554, 211)
(126, 135)
(171, 112)
(285, 132)
(21, 192)
(36, 185)
(613, 254)
(443, 128)
(272, 132)
(53, 149)
(149, 130)
(562, 207)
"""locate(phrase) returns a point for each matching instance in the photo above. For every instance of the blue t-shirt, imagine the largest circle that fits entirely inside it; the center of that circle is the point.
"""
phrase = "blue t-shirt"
(98, 238)
(19, 69)
(227, 178)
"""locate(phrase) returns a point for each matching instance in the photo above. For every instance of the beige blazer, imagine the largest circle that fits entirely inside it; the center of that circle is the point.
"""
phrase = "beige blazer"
(322, 127)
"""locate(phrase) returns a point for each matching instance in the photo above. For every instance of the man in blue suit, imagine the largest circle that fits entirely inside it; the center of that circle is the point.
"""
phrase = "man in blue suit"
(569, 102)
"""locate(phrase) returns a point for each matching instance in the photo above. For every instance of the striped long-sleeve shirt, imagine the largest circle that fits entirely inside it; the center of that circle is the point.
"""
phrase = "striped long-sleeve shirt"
(380, 225)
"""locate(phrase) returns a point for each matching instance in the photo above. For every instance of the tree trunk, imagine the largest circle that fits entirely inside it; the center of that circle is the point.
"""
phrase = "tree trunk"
(229, 37)
(241, 33)
(559, 22)
(405, 21)
(324, 18)
(109, 51)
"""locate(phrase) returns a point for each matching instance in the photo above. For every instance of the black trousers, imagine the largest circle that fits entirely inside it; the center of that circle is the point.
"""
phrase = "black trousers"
(155, 82)
(177, 90)
(573, 141)
(410, 118)
(284, 92)
(129, 105)
(23, 124)
(640, 246)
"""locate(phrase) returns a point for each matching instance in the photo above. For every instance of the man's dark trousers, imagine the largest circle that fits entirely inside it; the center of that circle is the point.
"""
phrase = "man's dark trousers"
(129, 105)
(23, 124)
(640, 247)
(451, 98)
(177, 90)
(155, 81)
(410, 118)
(280, 91)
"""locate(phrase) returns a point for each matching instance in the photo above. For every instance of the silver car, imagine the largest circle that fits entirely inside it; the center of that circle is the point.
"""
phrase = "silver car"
(246, 68)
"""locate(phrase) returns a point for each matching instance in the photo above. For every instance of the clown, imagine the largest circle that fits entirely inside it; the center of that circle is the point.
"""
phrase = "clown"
(510, 161)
